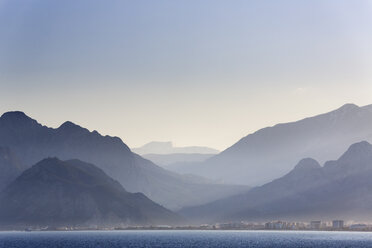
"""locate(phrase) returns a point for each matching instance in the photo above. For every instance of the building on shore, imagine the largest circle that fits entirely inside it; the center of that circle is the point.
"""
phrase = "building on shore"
(315, 224)
(337, 224)
(359, 227)
(276, 225)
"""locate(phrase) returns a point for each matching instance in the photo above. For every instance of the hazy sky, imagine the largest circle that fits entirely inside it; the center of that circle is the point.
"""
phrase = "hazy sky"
(193, 72)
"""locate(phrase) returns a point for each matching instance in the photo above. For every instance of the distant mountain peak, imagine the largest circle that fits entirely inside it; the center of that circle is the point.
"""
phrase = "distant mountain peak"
(358, 150)
(307, 164)
(345, 110)
(339, 113)
(349, 106)
(17, 118)
(158, 145)
(14, 114)
(167, 147)
(49, 160)
(54, 169)
(72, 128)
(364, 144)
(69, 125)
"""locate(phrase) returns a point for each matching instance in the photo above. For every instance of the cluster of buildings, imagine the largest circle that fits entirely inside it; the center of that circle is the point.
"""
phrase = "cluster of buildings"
(312, 225)
(335, 225)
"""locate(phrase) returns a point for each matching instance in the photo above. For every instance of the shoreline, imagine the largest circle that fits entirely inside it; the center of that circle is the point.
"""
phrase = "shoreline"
(176, 230)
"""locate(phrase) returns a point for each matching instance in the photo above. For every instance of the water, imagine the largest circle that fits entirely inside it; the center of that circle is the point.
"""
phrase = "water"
(174, 239)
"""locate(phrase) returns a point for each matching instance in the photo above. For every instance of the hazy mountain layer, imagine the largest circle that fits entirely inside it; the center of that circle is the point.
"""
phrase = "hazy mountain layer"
(32, 142)
(340, 189)
(269, 153)
(157, 147)
(173, 160)
(58, 193)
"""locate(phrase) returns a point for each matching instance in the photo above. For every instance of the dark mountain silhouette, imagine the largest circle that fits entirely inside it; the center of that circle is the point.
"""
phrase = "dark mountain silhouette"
(339, 189)
(32, 142)
(10, 167)
(75, 193)
(268, 153)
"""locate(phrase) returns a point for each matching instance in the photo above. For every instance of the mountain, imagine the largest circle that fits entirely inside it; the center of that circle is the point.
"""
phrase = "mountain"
(269, 153)
(157, 147)
(340, 189)
(10, 167)
(176, 159)
(74, 193)
(32, 142)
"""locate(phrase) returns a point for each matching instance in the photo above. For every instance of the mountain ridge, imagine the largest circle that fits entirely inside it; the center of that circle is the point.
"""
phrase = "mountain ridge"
(163, 148)
(267, 153)
(339, 188)
(32, 142)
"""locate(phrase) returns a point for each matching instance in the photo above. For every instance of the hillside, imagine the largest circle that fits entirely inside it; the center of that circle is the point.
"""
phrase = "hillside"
(339, 189)
(75, 193)
(10, 167)
(270, 152)
(32, 142)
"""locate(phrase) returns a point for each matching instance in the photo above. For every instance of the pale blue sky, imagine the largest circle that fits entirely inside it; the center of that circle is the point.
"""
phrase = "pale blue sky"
(194, 72)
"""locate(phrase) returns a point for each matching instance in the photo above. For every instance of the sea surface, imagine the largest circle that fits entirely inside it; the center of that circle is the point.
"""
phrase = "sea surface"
(174, 239)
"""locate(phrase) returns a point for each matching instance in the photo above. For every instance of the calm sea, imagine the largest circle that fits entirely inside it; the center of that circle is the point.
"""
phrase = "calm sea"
(174, 239)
